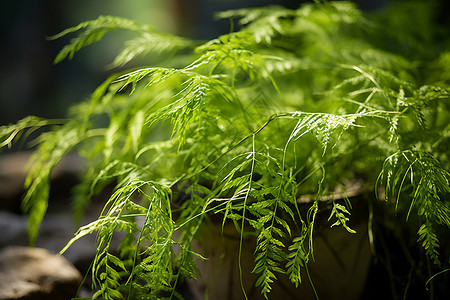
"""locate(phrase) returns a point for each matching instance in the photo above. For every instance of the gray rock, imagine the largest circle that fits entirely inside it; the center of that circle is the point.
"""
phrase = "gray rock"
(34, 273)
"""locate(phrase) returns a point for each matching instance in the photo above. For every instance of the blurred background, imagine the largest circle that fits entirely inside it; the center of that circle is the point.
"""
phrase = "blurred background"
(30, 84)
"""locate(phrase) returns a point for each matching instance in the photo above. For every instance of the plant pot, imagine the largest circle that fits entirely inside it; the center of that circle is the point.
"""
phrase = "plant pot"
(339, 269)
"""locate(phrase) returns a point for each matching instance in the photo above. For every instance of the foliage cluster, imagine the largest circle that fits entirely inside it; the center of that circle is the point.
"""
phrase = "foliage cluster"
(295, 102)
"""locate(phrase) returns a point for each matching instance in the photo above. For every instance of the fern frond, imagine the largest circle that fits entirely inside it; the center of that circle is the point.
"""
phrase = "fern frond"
(297, 258)
(262, 23)
(269, 255)
(155, 271)
(430, 187)
(157, 230)
(430, 242)
(248, 15)
(155, 76)
(150, 42)
(52, 148)
(105, 271)
(324, 126)
(339, 211)
(11, 133)
(92, 31)
(186, 107)
(232, 54)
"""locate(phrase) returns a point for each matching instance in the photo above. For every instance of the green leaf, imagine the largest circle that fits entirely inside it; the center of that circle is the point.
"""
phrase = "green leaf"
(339, 211)
(116, 261)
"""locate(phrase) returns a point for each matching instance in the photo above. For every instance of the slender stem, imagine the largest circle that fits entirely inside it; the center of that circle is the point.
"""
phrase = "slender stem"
(311, 282)
(243, 218)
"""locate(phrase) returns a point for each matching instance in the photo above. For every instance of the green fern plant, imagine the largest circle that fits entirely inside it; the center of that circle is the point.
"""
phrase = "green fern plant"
(297, 102)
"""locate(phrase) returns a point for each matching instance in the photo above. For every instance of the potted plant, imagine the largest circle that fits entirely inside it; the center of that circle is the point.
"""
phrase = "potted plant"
(262, 131)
